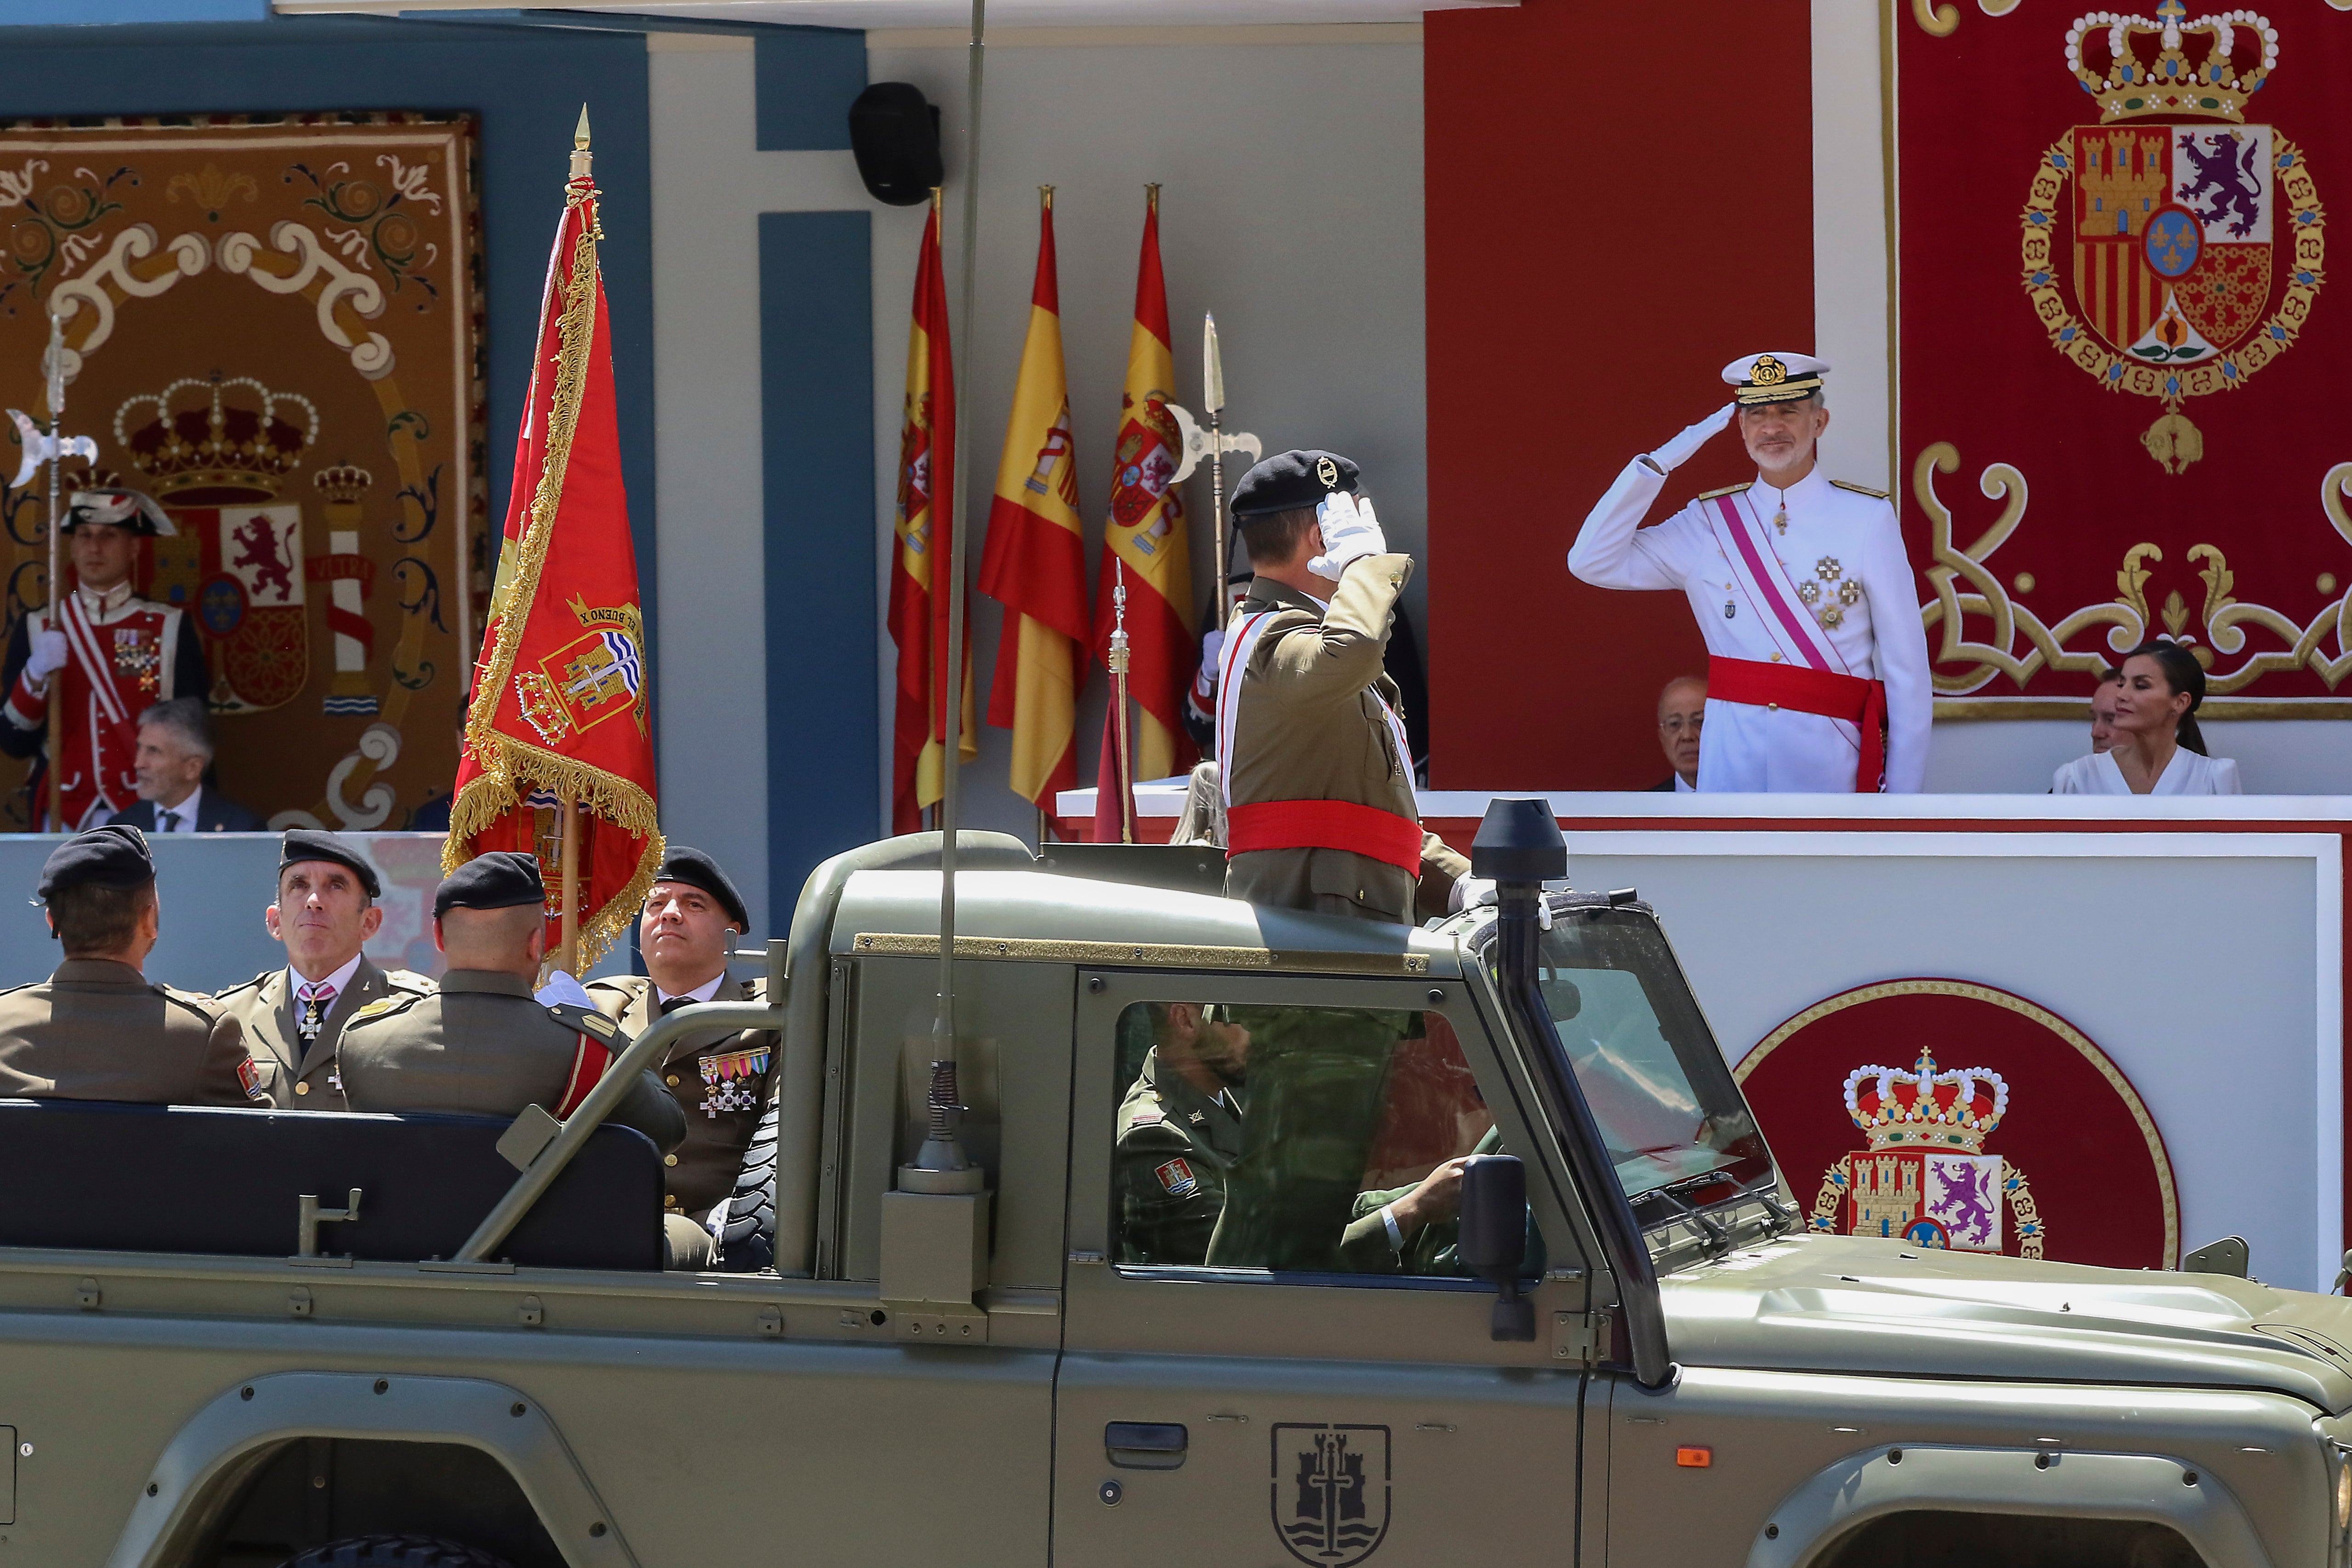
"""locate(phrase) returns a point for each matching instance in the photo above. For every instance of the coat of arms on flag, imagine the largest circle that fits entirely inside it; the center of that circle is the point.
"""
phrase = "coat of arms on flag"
(1947, 1148)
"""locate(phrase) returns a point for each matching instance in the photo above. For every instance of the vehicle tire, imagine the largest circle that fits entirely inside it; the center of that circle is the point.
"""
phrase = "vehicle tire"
(394, 1551)
(746, 1226)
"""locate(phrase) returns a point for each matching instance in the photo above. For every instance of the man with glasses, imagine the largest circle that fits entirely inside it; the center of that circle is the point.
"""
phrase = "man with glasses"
(1682, 712)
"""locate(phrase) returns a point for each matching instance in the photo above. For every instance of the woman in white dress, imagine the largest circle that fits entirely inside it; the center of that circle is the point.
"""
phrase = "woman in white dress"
(2158, 748)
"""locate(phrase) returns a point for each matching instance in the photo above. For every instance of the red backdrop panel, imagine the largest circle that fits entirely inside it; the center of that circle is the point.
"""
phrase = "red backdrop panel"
(1603, 235)
(2133, 315)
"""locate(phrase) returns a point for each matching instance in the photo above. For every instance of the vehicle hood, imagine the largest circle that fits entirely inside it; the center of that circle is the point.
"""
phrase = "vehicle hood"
(1831, 1303)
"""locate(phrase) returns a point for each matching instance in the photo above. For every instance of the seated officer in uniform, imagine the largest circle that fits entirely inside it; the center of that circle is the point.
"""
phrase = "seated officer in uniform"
(293, 1016)
(692, 919)
(96, 1029)
(481, 1046)
(1180, 1130)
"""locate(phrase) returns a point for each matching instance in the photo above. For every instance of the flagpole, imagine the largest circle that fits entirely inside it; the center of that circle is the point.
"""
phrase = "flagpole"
(56, 574)
(1213, 394)
(1121, 738)
(567, 955)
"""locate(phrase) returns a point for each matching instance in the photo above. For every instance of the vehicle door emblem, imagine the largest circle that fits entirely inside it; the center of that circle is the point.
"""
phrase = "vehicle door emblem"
(1330, 1491)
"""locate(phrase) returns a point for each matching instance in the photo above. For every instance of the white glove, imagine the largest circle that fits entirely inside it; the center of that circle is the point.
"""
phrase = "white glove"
(1469, 892)
(1351, 533)
(1679, 451)
(563, 987)
(49, 656)
(1212, 643)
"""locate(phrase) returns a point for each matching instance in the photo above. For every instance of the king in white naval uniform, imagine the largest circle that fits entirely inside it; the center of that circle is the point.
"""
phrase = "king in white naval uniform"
(1817, 667)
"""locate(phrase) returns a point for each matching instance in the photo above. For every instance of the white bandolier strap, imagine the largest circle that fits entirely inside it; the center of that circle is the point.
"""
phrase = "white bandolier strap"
(82, 638)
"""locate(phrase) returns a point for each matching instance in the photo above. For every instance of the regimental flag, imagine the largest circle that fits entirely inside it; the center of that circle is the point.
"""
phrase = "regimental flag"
(926, 529)
(560, 710)
(1035, 564)
(1146, 529)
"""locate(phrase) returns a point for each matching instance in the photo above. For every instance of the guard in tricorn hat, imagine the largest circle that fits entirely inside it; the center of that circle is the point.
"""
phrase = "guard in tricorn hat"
(98, 1029)
(1316, 770)
(103, 652)
(1817, 667)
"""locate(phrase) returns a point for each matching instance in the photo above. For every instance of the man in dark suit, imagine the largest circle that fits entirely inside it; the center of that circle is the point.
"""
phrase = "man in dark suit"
(1682, 709)
(175, 751)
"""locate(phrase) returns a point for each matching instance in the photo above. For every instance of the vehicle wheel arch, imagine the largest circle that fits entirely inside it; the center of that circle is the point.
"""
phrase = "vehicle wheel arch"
(1809, 1523)
(200, 1471)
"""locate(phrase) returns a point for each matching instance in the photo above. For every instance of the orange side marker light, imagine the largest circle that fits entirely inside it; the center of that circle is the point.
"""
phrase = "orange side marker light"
(1694, 1458)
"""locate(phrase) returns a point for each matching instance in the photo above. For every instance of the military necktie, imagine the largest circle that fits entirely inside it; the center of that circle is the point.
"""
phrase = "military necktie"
(672, 1004)
(316, 998)
(167, 821)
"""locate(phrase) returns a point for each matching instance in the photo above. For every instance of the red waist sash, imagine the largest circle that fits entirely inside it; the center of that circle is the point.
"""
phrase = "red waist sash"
(1862, 703)
(1365, 830)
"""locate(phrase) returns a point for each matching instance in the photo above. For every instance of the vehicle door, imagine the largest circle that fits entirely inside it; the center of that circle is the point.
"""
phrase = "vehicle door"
(1272, 1379)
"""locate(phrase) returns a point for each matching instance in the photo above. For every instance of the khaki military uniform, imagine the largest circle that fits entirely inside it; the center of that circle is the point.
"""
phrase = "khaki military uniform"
(720, 1079)
(481, 1046)
(309, 1079)
(98, 1029)
(1311, 723)
(1175, 1146)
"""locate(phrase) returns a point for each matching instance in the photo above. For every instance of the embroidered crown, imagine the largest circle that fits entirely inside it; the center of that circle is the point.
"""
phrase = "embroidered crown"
(2136, 65)
(343, 484)
(225, 445)
(1925, 1108)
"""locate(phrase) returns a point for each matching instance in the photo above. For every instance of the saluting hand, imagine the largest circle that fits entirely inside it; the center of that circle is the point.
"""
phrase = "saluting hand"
(1679, 451)
(1351, 533)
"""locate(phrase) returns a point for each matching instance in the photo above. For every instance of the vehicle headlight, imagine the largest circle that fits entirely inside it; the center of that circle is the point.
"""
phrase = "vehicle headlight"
(2343, 1493)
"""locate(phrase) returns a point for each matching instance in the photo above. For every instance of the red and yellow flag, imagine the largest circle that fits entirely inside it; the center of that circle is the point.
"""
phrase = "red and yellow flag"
(1146, 529)
(926, 529)
(560, 710)
(1035, 564)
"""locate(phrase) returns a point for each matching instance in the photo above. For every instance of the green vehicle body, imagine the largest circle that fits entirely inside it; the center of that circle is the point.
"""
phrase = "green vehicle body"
(1830, 1399)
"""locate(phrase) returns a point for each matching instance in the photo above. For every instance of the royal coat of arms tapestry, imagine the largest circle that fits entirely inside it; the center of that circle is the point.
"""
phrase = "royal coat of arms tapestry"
(273, 326)
(2119, 358)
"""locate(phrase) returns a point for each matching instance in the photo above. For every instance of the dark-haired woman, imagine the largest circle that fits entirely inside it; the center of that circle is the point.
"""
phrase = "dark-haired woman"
(2158, 748)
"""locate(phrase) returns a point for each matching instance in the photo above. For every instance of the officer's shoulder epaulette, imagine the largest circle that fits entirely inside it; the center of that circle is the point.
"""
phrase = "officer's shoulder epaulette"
(626, 986)
(1861, 489)
(21, 986)
(385, 1007)
(208, 1008)
(256, 983)
(1727, 490)
(573, 1015)
(410, 982)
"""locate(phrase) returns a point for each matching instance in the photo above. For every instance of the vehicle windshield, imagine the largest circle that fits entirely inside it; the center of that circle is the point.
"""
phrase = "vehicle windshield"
(1678, 1129)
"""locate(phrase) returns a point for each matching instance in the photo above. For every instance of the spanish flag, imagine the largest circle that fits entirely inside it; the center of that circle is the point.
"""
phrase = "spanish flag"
(1035, 564)
(926, 527)
(560, 717)
(1146, 531)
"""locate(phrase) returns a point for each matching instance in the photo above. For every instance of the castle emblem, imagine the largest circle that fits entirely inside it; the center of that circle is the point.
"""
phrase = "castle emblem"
(1926, 1177)
(1330, 1491)
(2172, 249)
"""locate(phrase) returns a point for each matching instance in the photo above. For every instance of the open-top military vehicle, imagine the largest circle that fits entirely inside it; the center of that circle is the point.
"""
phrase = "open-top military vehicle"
(236, 1338)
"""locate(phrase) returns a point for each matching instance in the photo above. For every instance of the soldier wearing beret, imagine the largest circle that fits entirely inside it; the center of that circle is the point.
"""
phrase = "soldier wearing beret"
(103, 652)
(96, 1029)
(720, 1079)
(1316, 769)
(1180, 1131)
(325, 911)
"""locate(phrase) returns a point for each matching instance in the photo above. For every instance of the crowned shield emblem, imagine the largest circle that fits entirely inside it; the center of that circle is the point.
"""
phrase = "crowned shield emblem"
(2192, 240)
(1330, 1491)
(1926, 1177)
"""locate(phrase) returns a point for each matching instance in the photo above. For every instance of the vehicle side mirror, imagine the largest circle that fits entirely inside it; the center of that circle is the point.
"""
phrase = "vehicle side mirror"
(1494, 1238)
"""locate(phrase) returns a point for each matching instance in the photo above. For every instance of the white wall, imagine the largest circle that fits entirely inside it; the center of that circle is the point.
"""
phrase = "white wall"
(1290, 166)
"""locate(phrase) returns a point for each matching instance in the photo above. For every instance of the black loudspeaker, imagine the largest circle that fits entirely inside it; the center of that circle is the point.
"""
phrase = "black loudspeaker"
(895, 137)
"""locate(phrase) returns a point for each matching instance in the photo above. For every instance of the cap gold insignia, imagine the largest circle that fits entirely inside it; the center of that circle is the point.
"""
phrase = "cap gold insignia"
(1767, 372)
(1329, 472)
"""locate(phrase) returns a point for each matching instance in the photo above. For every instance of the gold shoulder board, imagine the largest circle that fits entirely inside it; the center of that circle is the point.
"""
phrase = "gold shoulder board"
(381, 1005)
(1725, 490)
(1860, 489)
(596, 1024)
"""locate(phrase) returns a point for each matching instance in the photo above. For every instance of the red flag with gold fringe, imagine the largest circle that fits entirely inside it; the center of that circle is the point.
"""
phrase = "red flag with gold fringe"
(560, 712)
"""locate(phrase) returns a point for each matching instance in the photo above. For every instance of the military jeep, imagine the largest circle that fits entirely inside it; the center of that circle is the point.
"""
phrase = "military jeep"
(239, 1340)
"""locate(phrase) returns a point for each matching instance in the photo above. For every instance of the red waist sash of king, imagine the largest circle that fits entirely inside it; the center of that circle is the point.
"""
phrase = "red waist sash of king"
(1862, 703)
(1365, 830)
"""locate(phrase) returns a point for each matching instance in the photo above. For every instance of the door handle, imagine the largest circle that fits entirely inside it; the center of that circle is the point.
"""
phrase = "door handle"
(1145, 1444)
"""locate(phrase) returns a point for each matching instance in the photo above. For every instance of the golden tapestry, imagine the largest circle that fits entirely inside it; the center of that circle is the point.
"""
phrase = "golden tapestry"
(272, 325)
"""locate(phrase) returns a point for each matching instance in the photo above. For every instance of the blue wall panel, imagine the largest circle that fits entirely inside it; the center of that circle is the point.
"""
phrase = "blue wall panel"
(816, 421)
(526, 84)
(806, 79)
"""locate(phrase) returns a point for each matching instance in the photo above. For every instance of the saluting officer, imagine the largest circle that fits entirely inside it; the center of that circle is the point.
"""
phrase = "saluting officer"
(1180, 1131)
(1817, 667)
(720, 1079)
(96, 1029)
(1315, 766)
(325, 911)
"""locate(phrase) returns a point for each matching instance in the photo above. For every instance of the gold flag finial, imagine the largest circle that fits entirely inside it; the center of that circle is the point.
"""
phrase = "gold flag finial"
(580, 154)
(1151, 194)
(1045, 196)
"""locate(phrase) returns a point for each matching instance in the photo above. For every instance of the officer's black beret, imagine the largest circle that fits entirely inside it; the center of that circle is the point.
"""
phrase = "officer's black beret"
(111, 857)
(501, 880)
(1289, 480)
(696, 869)
(317, 844)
